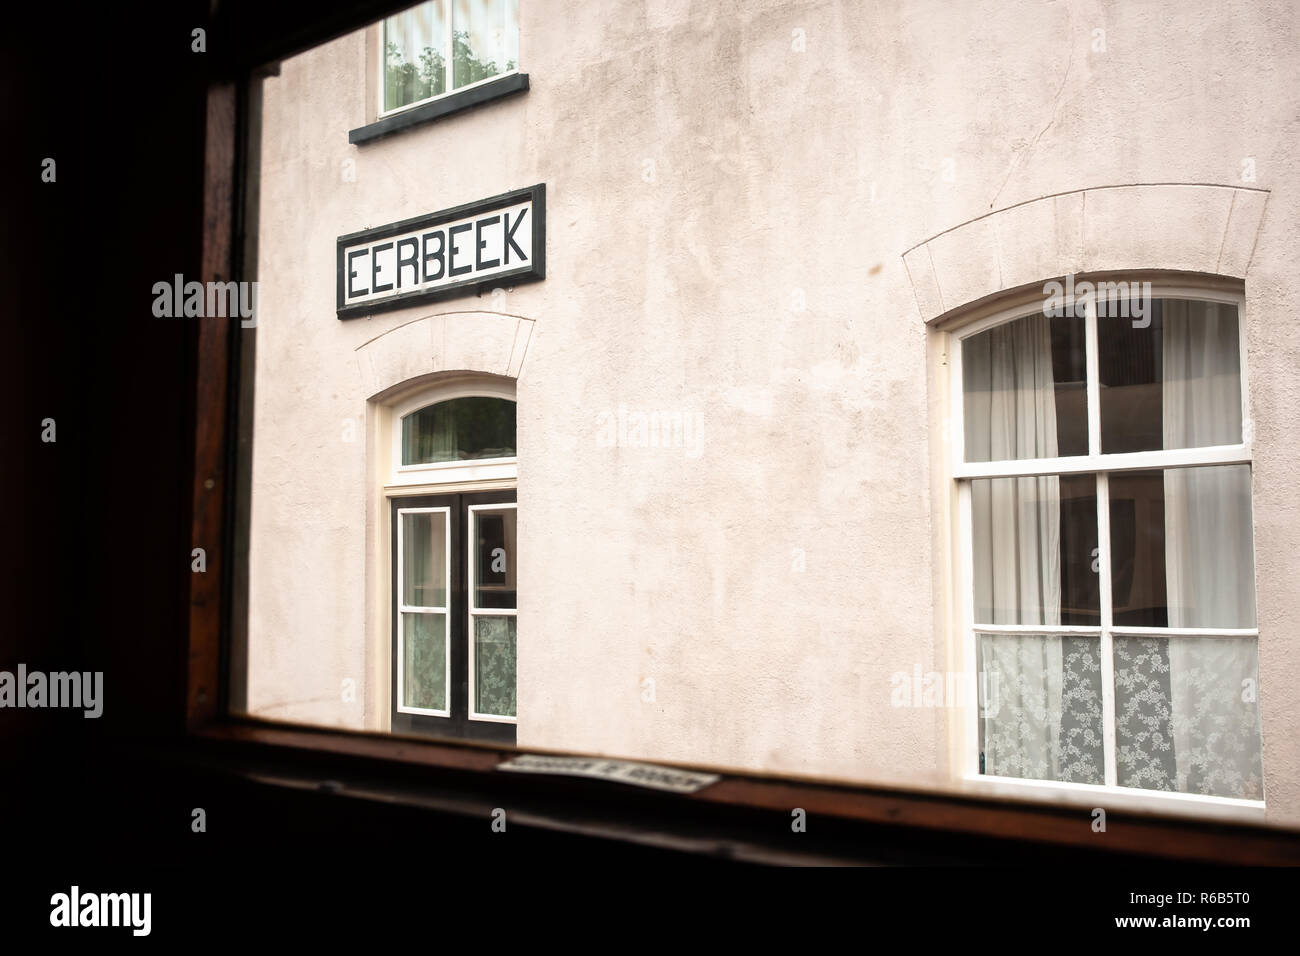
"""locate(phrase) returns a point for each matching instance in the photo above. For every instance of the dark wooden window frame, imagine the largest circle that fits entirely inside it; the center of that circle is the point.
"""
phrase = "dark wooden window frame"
(247, 40)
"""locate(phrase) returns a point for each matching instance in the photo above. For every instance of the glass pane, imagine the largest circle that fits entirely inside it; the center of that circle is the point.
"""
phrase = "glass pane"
(424, 661)
(1182, 548)
(1040, 707)
(1034, 549)
(494, 558)
(424, 560)
(1170, 375)
(1024, 390)
(414, 55)
(1137, 549)
(1187, 715)
(494, 666)
(462, 429)
(485, 39)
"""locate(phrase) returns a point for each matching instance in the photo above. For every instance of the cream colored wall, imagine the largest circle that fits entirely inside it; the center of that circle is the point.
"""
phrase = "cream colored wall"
(704, 178)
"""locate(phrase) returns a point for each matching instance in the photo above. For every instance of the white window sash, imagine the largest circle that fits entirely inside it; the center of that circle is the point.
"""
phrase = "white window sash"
(1101, 465)
(475, 611)
(403, 609)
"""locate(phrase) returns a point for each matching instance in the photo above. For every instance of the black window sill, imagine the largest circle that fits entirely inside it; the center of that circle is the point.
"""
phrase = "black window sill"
(437, 109)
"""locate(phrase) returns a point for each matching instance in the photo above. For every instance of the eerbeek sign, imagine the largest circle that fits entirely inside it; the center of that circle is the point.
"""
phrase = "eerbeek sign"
(481, 244)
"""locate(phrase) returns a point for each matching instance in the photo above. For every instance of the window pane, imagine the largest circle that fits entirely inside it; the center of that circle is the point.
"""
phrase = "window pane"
(1187, 715)
(1040, 707)
(1033, 545)
(424, 661)
(1137, 549)
(494, 558)
(1182, 548)
(1170, 378)
(424, 560)
(414, 55)
(494, 666)
(459, 430)
(485, 39)
(1024, 390)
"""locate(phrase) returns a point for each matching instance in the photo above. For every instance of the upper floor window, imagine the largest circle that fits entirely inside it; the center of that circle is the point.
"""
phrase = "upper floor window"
(1106, 505)
(443, 46)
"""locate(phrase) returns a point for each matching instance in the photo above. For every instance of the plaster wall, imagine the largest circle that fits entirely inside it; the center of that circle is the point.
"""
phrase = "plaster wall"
(737, 196)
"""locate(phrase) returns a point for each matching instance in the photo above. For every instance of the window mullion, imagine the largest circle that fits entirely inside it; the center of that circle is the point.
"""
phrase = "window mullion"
(1093, 360)
(471, 535)
(1107, 641)
(967, 577)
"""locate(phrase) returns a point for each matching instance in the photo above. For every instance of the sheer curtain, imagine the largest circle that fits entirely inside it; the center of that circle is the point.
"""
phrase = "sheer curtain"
(430, 435)
(1209, 558)
(1010, 413)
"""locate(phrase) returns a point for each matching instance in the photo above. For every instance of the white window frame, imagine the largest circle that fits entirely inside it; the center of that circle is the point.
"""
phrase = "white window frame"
(382, 30)
(471, 581)
(445, 611)
(962, 473)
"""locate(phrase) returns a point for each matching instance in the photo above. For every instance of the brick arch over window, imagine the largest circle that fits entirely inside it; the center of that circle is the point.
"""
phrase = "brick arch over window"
(1166, 226)
(471, 341)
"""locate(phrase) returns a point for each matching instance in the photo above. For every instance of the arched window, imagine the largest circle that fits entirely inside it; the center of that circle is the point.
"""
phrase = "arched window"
(472, 428)
(1103, 457)
(454, 588)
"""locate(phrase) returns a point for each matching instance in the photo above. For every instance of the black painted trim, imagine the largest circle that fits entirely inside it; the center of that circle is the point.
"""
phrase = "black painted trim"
(437, 109)
(533, 272)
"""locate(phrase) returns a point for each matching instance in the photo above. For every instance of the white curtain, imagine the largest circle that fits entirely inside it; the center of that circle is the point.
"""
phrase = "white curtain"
(431, 434)
(1209, 558)
(1010, 413)
(414, 54)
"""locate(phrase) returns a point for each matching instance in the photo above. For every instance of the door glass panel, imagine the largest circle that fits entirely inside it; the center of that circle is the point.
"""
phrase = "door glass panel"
(494, 665)
(424, 661)
(494, 558)
(424, 559)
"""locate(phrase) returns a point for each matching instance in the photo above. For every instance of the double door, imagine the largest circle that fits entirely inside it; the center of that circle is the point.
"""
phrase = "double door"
(454, 623)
